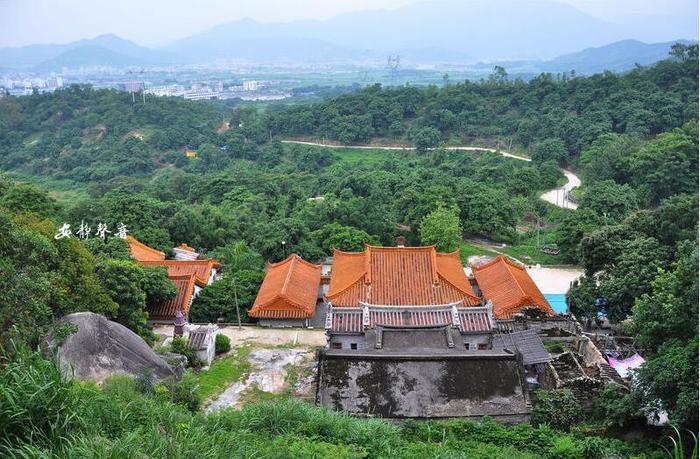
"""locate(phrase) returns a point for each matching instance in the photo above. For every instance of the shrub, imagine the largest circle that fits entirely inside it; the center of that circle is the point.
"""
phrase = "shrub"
(144, 381)
(222, 344)
(557, 408)
(184, 392)
(180, 346)
(616, 408)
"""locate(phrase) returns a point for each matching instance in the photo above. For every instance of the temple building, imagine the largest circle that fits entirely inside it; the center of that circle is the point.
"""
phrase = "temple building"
(409, 336)
(187, 272)
(399, 276)
(289, 294)
(509, 287)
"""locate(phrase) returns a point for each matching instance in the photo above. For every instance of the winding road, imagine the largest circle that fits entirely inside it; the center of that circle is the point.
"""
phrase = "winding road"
(399, 148)
(558, 196)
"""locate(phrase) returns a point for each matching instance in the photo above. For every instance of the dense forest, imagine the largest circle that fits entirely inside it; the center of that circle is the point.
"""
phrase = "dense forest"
(553, 117)
(86, 156)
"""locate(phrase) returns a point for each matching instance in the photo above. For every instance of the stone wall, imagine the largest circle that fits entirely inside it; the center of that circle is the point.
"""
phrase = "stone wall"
(282, 323)
(423, 386)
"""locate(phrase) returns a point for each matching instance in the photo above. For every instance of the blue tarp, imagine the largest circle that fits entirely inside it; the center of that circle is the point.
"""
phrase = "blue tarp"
(557, 301)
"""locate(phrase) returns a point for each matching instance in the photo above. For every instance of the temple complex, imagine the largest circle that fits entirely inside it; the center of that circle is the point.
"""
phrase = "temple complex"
(410, 334)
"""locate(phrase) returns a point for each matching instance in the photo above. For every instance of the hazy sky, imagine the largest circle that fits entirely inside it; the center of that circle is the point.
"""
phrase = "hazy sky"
(155, 22)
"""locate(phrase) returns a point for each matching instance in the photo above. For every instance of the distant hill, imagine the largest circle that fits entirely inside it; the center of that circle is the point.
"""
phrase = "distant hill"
(87, 56)
(106, 49)
(464, 31)
(534, 36)
(616, 57)
(479, 28)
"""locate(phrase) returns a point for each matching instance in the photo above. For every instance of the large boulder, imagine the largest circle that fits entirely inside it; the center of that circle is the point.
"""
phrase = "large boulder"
(101, 348)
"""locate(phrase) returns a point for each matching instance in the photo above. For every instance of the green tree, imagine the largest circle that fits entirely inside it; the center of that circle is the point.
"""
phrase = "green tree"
(632, 275)
(156, 284)
(601, 248)
(442, 227)
(581, 296)
(123, 280)
(610, 200)
(425, 138)
(549, 150)
(27, 198)
(668, 165)
(216, 301)
(671, 308)
(346, 238)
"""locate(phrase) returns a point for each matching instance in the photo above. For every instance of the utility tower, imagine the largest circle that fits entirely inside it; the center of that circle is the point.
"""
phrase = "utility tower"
(134, 86)
(392, 64)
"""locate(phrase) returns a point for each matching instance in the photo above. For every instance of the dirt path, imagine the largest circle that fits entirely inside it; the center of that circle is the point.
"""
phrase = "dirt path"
(403, 148)
(559, 196)
(269, 373)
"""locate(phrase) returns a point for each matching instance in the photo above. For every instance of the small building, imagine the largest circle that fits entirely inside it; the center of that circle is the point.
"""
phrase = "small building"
(185, 252)
(509, 287)
(289, 293)
(202, 339)
(191, 153)
(166, 311)
(362, 328)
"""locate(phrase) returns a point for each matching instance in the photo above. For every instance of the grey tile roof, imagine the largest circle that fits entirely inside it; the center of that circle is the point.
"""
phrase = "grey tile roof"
(526, 342)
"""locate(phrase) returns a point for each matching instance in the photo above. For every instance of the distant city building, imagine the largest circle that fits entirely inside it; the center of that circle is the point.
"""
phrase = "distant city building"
(251, 85)
(132, 86)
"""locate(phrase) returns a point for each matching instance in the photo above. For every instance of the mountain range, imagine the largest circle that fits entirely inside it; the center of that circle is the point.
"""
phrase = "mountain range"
(544, 33)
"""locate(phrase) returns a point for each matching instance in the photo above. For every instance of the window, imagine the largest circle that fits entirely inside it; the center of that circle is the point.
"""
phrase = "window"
(482, 346)
(466, 346)
(353, 345)
(336, 345)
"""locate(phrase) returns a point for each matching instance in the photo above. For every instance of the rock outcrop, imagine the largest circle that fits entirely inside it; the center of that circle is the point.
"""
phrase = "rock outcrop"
(101, 348)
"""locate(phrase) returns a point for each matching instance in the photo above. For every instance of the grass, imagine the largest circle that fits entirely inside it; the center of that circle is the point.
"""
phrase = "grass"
(62, 190)
(531, 255)
(554, 347)
(255, 395)
(525, 253)
(223, 372)
(468, 250)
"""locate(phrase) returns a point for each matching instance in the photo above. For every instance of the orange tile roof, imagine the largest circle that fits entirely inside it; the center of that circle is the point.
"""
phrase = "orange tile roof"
(166, 310)
(401, 276)
(509, 287)
(289, 290)
(141, 252)
(201, 269)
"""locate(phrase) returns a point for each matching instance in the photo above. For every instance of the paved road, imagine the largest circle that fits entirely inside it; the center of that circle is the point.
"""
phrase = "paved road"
(559, 196)
(400, 148)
